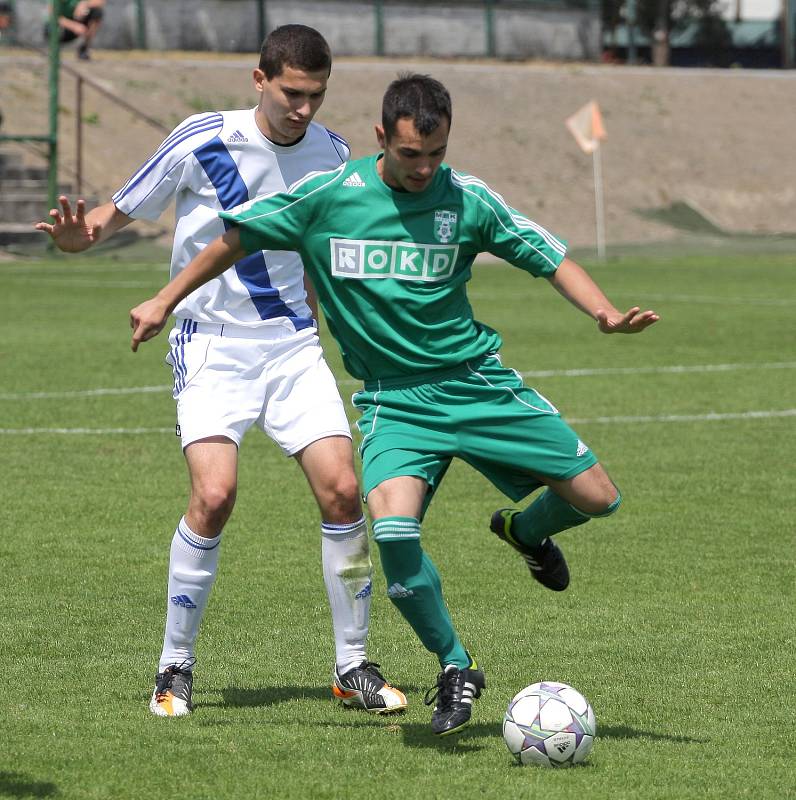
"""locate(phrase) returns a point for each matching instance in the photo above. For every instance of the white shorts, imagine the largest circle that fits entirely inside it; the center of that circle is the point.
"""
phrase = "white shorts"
(227, 378)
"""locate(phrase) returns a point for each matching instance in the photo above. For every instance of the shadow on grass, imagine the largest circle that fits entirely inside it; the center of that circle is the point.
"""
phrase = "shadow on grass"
(18, 784)
(623, 732)
(419, 735)
(237, 697)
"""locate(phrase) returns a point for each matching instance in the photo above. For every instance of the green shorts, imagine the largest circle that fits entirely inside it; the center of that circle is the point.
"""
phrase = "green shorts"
(480, 412)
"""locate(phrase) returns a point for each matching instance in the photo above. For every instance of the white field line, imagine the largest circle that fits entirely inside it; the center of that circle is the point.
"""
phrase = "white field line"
(543, 373)
(709, 417)
(84, 393)
(84, 282)
(84, 431)
(674, 369)
(645, 299)
(49, 270)
(711, 299)
(622, 420)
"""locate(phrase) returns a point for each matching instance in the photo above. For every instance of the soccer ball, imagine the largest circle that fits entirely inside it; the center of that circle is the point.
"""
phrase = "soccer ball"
(550, 724)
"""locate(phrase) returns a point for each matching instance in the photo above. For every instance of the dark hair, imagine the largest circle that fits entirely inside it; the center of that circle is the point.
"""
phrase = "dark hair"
(297, 46)
(418, 97)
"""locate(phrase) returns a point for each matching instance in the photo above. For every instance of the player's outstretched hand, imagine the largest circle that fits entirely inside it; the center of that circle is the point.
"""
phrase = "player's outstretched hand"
(71, 233)
(633, 321)
(147, 320)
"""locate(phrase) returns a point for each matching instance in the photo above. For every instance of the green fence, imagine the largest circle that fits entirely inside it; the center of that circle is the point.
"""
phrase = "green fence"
(51, 137)
(378, 7)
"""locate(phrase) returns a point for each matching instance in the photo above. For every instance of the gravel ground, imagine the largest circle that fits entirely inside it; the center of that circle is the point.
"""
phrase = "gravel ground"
(720, 141)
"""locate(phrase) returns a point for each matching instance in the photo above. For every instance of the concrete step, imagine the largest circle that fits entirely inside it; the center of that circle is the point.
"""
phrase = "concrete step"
(11, 171)
(23, 206)
(26, 185)
(27, 206)
(20, 233)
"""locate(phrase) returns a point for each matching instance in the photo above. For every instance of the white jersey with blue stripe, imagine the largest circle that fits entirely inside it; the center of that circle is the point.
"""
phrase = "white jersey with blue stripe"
(214, 162)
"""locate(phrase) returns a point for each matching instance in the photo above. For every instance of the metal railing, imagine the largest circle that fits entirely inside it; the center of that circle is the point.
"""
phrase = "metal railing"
(50, 139)
(81, 81)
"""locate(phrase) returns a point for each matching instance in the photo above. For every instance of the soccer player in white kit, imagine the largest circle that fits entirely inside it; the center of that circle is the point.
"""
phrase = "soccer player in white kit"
(245, 351)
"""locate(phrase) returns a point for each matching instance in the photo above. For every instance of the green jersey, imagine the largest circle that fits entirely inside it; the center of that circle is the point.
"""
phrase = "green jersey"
(390, 268)
(68, 8)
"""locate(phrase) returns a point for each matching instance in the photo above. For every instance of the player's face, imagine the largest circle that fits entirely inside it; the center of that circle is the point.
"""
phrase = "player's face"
(411, 159)
(288, 102)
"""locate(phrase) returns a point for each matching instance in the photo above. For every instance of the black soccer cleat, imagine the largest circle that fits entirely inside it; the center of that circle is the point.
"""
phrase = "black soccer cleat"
(454, 693)
(546, 561)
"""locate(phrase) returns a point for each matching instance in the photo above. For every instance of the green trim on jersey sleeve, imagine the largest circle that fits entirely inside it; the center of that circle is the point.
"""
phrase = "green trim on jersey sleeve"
(508, 234)
(278, 221)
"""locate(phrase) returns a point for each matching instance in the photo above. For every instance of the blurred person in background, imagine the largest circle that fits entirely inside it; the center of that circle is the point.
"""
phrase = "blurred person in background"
(80, 19)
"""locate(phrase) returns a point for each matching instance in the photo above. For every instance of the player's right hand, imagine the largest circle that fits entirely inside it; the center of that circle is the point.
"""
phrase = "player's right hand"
(71, 233)
(147, 320)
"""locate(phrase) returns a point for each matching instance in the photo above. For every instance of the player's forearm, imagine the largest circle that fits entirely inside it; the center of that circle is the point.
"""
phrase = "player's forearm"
(312, 297)
(214, 259)
(574, 283)
(108, 219)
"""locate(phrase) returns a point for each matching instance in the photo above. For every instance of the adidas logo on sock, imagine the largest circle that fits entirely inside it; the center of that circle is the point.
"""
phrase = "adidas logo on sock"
(353, 180)
(237, 138)
(183, 600)
(582, 449)
(397, 591)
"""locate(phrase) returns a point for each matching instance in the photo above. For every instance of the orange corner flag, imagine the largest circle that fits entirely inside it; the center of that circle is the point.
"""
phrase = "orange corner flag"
(586, 125)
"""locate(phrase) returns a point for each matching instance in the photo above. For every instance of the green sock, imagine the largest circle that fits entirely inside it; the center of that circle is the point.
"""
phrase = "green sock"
(548, 514)
(415, 589)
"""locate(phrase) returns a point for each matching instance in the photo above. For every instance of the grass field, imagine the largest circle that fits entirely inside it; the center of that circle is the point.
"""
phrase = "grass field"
(678, 625)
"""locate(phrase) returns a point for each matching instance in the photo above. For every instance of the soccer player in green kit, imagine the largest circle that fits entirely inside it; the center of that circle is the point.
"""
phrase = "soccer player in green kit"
(389, 242)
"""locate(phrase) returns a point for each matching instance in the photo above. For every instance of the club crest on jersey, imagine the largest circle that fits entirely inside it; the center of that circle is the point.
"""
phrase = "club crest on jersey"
(444, 225)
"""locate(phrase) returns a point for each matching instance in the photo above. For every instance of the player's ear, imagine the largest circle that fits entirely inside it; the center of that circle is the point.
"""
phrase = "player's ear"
(259, 78)
(380, 137)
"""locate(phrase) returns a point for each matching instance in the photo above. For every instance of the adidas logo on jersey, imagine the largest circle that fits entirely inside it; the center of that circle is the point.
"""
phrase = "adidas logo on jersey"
(353, 180)
(398, 591)
(582, 449)
(183, 600)
(237, 138)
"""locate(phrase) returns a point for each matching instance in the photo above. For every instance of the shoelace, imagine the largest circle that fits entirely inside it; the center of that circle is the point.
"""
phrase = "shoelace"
(167, 676)
(443, 690)
(373, 668)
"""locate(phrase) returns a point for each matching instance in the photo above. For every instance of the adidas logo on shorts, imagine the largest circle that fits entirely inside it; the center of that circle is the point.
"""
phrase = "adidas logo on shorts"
(237, 138)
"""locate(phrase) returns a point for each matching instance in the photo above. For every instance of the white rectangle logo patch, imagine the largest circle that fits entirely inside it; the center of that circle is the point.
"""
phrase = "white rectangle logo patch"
(406, 261)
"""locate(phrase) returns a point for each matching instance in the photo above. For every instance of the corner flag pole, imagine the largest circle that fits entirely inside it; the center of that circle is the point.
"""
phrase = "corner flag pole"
(599, 205)
(586, 125)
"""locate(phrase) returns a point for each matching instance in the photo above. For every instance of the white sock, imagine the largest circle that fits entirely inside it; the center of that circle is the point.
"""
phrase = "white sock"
(192, 573)
(347, 571)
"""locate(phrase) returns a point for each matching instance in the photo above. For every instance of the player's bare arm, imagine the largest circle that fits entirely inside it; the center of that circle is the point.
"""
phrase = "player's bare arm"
(574, 283)
(75, 232)
(312, 297)
(147, 320)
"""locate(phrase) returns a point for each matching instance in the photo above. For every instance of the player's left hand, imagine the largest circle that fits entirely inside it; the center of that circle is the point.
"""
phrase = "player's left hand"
(633, 321)
(147, 320)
